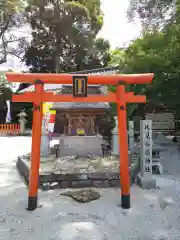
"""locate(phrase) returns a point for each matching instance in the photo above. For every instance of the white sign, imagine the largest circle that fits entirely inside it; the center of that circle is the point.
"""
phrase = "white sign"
(146, 148)
(131, 135)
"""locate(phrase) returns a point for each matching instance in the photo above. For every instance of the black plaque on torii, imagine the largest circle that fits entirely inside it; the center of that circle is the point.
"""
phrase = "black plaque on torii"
(80, 86)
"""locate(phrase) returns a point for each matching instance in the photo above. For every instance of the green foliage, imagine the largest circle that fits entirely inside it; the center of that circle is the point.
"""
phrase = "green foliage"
(157, 52)
(11, 6)
(5, 88)
(64, 40)
(152, 14)
(10, 17)
(117, 57)
(64, 36)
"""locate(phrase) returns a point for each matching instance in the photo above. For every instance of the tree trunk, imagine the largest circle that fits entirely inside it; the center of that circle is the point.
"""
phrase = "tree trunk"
(57, 63)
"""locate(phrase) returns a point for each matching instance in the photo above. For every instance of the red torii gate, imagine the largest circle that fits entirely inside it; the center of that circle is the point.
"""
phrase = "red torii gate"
(121, 97)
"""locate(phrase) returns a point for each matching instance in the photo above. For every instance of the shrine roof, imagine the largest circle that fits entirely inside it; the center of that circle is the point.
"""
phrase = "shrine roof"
(53, 87)
(47, 88)
(57, 87)
(80, 105)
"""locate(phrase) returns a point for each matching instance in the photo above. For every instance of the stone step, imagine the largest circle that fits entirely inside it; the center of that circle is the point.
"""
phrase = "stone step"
(70, 177)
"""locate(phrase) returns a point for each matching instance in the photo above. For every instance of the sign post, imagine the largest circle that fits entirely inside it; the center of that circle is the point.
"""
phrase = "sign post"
(115, 140)
(145, 179)
(80, 86)
(121, 97)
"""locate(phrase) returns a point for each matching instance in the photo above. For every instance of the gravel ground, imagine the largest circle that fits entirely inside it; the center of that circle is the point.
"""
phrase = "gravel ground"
(155, 214)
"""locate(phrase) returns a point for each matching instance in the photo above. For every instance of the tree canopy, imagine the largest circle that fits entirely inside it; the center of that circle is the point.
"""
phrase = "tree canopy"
(10, 19)
(64, 39)
(157, 51)
(152, 14)
(64, 36)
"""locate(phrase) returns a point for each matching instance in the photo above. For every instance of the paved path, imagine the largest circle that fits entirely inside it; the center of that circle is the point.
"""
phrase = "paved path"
(171, 161)
(155, 214)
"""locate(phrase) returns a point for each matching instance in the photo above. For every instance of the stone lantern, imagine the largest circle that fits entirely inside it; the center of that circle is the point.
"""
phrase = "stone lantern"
(22, 120)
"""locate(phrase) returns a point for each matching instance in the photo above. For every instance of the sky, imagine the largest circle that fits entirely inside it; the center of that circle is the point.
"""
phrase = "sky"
(116, 29)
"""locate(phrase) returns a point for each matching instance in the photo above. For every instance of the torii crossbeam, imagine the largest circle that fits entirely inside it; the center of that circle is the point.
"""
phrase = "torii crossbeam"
(121, 97)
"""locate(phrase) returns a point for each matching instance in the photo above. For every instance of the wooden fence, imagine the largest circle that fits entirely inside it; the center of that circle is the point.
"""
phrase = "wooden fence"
(9, 129)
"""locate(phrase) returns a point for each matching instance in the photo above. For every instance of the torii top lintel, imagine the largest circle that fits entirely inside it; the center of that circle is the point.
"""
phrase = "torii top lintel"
(49, 78)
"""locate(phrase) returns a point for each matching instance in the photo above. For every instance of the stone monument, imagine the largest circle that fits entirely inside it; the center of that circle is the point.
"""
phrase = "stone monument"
(115, 140)
(22, 120)
(131, 135)
(80, 145)
(145, 179)
(45, 141)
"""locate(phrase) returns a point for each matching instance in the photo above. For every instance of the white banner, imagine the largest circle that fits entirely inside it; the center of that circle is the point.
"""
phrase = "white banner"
(8, 116)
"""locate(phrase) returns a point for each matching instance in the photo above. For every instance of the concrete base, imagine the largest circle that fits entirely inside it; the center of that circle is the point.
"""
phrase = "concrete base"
(80, 145)
(146, 183)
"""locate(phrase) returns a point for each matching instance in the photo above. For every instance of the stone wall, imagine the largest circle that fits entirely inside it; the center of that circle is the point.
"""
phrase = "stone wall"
(80, 145)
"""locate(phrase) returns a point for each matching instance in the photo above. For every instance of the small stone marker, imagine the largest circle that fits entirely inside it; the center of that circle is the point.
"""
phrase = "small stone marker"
(145, 179)
(22, 120)
(115, 139)
(146, 148)
(45, 142)
(131, 135)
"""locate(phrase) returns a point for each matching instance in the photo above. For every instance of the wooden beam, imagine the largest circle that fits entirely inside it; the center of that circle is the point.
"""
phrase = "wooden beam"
(31, 97)
(90, 99)
(50, 97)
(68, 78)
(25, 97)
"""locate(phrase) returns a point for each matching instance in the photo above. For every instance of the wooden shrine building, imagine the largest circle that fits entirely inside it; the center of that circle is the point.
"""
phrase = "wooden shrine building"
(86, 117)
(80, 126)
(72, 116)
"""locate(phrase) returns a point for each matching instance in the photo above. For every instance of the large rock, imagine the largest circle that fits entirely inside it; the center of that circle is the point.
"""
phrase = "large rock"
(83, 195)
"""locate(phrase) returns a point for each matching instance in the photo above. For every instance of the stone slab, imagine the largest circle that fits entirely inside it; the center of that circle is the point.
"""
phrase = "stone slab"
(146, 183)
(97, 177)
(23, 169)
(45, 145)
